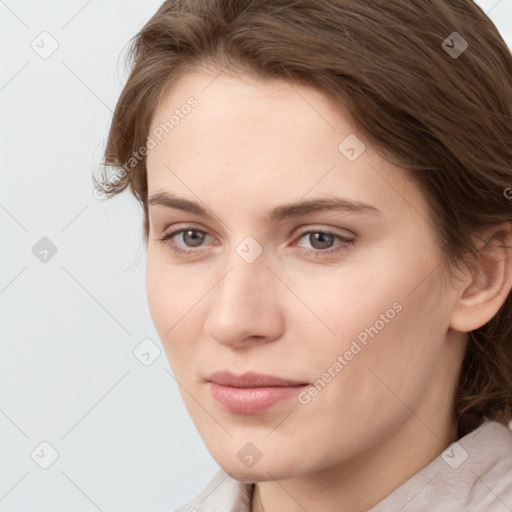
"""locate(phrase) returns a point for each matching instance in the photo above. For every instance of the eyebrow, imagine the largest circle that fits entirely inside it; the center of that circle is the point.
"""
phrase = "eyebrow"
(279, 213)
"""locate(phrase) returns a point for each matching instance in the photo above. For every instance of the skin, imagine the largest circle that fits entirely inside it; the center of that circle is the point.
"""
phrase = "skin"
(249, 146)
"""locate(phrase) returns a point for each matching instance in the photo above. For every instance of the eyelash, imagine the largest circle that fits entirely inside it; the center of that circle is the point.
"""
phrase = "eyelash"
(319, 253)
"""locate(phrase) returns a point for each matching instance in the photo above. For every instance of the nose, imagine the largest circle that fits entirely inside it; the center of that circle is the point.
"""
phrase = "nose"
(245, 305)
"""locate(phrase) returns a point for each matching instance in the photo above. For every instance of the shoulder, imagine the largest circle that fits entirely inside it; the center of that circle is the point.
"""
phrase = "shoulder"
(489, 466)
(222, 493)
(474, 473)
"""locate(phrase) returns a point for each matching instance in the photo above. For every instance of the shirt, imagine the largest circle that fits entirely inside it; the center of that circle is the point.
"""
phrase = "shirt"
(474, 474)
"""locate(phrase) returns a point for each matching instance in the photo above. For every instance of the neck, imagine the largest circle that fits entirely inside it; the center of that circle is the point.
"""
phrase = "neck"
(358, 485)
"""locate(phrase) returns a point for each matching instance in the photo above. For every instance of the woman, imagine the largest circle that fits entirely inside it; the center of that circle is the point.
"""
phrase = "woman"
(327, 212)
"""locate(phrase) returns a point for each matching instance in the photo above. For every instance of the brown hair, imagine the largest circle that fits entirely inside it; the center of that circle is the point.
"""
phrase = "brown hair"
(445, 117)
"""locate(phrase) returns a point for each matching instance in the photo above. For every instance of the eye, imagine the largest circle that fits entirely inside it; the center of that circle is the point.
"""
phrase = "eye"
(190, 241)
(189, 238)
(322, 240)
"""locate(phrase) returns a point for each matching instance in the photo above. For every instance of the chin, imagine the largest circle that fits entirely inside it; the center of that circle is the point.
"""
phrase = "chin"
(261, 474)
(261, 471)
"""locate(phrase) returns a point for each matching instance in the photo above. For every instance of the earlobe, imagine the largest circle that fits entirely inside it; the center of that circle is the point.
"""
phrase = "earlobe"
(487, 283)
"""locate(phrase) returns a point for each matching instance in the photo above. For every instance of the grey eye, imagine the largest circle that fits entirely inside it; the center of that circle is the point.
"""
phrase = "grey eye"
(192, 237)
(320, 240)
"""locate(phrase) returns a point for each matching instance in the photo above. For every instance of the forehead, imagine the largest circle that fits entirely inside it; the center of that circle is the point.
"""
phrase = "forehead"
(257, 140)
(234, 110)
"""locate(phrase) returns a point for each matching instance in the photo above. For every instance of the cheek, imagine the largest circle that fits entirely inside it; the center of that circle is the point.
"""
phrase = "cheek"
(171, 294)
(383, 314)
(346, 301)
(390, 341)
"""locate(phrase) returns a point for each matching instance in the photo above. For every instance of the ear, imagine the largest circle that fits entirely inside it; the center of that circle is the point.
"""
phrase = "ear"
(487, 282)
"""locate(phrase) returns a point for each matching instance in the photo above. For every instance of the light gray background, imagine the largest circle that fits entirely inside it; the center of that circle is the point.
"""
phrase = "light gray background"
(69, 326)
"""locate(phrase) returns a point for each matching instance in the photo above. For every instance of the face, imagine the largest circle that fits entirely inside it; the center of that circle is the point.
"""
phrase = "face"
(287, 248)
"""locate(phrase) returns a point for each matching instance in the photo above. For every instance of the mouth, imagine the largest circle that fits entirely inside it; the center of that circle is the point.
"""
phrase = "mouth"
(251, 393)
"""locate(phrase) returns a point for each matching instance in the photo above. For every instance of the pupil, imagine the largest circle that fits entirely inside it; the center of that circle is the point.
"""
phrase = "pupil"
(320, 240)
(193, 241)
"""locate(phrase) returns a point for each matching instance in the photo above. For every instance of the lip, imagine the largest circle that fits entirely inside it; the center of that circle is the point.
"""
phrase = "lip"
(251, 393)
